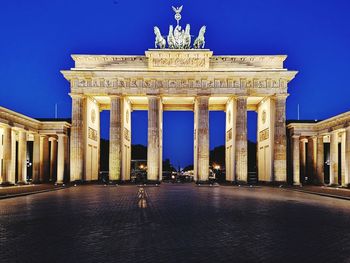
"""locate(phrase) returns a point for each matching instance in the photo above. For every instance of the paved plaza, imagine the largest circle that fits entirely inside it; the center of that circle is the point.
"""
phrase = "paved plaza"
(174, 223)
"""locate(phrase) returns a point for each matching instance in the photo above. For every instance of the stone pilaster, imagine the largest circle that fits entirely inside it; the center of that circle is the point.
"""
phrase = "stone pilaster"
(280, 141)
(61, 158)
(241, 144)
(53, 159)
(7, 156)
(333, 173)
(296, 159)
(115, 139)
(44, 158)
(347, 157)
(77, 138)
(320, 161)
(153, 139)
(22, 157)
(36, 158)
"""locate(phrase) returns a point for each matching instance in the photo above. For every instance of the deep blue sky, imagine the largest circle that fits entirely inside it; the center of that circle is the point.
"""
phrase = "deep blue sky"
(38, 37)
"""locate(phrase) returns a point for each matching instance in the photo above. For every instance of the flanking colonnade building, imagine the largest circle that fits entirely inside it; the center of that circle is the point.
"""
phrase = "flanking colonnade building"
(320, 151)
(35, 149)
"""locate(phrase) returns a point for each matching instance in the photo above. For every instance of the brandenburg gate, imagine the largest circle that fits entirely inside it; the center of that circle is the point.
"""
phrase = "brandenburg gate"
(178, 78)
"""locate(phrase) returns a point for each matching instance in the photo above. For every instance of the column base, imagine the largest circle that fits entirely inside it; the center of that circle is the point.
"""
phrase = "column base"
(22, 183)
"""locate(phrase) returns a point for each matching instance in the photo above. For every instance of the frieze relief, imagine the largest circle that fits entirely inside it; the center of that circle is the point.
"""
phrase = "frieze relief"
(219, 83)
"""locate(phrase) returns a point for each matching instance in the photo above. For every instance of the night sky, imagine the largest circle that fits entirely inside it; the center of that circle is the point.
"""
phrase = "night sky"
(38, 37)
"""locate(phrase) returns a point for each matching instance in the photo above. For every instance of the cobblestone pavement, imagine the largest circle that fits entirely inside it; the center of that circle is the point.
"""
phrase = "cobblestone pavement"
(174, 223)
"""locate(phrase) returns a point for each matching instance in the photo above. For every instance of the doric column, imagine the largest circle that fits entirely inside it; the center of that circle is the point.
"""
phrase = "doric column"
(320, 160)
(202, 138)
(22, 157)
(343, 158)
(77, 139)
(7, 156)
(53, 159)
(347, 157)
(280, 140)
(44, 158)
(241, 144)
(153, 139)
(61, 158)
(333, 173)
(115, 139)
(12, 176)
(302, 148)
(230, 140)
(36, 158)
(311, 158)
(296, 159)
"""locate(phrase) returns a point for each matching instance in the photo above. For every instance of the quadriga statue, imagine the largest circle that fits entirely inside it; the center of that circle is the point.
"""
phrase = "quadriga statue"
(160, 41)
(200, 40)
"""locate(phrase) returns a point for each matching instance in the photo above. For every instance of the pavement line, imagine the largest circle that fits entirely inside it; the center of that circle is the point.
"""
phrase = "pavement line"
(31, 193)
(320, 194)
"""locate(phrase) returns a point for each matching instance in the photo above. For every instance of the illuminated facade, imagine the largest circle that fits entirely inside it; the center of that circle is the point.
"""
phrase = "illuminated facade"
(193, 80)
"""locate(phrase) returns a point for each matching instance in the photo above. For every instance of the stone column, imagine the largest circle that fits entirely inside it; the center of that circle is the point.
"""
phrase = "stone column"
(343, 158)
(153, 139)
(115, 139)
(53, 159)
(296, 159)
(60, 158)
(241, 144)
(203, 138)
(7, 156)
(280, 141)
(77, 139)
(36, 158)
(333, 173)
(320, 161)
(12, 176)
(195, 143)
(311, 158)
(302, 148)
(347, 157)
(44, 158)
(22, 157)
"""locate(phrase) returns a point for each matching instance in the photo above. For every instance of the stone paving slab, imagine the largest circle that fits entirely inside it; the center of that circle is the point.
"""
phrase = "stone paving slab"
(174, 223)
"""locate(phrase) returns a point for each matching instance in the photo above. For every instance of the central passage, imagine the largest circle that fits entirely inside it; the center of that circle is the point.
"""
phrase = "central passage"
(178, 132)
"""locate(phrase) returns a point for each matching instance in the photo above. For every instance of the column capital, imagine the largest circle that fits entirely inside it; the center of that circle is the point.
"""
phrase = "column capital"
(296, 136)
(59, 135)
(52, 138)
(114, 96)
(240, 97)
